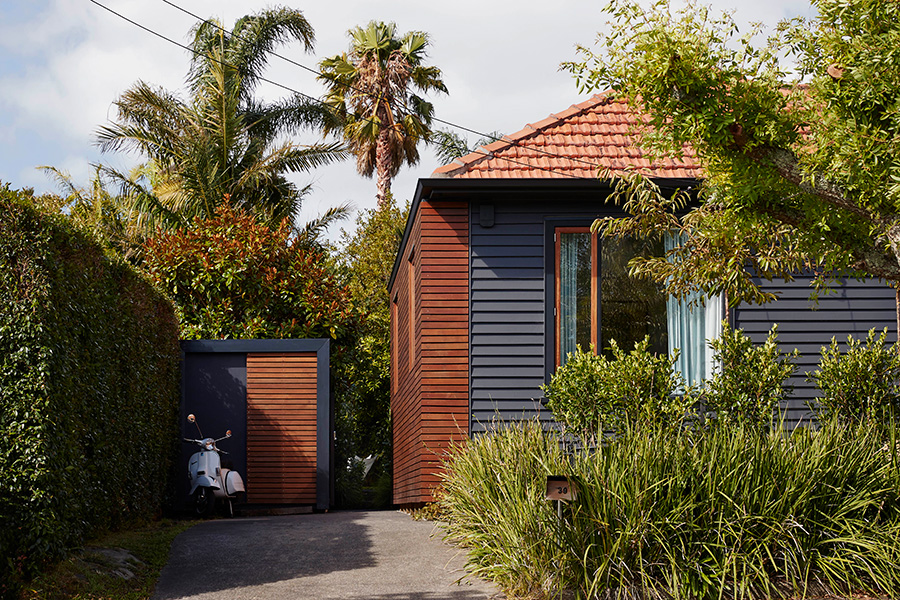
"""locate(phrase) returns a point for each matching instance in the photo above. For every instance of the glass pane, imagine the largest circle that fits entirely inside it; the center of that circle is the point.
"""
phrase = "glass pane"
(630, 308)
(574, 292)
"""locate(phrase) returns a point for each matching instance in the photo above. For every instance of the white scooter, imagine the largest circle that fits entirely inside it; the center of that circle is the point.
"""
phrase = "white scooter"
(208, 479)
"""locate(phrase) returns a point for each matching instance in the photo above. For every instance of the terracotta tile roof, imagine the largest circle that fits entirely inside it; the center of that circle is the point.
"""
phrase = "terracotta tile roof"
(577, 142)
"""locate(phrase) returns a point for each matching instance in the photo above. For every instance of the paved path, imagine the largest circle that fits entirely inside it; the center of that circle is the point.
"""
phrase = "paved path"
(377, 555)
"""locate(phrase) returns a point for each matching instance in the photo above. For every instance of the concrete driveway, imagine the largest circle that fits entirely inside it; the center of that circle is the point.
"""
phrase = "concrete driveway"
(377, 555)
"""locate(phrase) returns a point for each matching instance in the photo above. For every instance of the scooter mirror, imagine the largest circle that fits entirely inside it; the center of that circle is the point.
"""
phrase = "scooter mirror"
(191, 418)
(228, 433)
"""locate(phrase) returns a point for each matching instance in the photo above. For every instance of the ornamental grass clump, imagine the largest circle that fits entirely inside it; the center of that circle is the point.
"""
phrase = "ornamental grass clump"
(721, 512)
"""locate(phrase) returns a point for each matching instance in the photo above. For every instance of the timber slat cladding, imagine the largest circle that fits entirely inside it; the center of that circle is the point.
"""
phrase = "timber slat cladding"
(281, 428)
(429, 395)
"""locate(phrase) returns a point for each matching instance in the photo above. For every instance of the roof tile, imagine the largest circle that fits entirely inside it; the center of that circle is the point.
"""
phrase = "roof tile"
(576, 142)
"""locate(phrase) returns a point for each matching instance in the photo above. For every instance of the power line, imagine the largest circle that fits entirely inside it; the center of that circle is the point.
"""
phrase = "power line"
(318, 101)
(367, 93)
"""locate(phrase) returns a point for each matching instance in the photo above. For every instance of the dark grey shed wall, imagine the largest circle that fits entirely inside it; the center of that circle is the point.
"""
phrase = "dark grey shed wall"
(214, 387)
(849, 308)
(511, 266)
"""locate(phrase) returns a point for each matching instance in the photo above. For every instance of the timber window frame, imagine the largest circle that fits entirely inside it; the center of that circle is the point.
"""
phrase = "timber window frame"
(560, 306)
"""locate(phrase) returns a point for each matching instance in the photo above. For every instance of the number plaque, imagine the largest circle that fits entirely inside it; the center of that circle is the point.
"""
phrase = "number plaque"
(559, 488)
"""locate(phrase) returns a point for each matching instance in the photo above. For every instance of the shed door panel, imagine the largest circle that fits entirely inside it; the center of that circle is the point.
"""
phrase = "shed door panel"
(281, 428)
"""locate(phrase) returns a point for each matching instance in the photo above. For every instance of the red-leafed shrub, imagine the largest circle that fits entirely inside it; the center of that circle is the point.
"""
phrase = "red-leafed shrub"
(232, 277)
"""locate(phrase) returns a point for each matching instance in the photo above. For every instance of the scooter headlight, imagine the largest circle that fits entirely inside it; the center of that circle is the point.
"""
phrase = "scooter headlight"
(209, 444)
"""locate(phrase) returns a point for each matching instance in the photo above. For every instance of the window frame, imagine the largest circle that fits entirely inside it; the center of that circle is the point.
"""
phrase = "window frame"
(595, 292)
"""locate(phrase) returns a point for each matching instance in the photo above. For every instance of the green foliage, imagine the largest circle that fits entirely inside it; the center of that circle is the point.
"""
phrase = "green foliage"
(591, 394)
(860, 382)
(99, 211)
(366, 260)
(220, 146)
(801, 174)
(749, 383)
(89, 389)
(232, 277)
(676, 513)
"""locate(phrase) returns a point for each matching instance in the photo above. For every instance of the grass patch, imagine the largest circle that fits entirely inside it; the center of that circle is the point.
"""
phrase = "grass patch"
(95, 571)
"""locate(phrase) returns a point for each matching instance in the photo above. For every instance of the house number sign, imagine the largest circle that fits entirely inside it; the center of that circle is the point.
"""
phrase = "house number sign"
(559, 488)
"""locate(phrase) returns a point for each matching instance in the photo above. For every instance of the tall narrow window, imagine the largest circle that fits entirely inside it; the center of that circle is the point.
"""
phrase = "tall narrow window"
(576, 291)
(691, 324)
(411, 310)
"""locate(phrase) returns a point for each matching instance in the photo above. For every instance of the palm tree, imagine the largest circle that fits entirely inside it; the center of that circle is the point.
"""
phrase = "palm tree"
(370, 88)
(99, 211)
(221, 145)
(448, 146)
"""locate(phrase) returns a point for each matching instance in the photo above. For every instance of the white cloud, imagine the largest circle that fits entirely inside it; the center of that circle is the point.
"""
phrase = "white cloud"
(63, 63)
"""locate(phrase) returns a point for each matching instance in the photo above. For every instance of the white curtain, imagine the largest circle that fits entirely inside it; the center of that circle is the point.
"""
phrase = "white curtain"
(691, 325)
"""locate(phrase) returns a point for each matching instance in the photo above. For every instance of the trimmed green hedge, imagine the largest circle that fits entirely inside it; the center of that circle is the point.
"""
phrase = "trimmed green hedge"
(89, 389)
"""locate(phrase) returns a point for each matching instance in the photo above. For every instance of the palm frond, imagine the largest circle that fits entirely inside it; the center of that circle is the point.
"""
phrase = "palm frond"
(313, 230)
(254, 37)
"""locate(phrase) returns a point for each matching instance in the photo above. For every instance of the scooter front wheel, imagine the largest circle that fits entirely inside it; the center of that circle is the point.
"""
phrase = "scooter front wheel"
(204, 502)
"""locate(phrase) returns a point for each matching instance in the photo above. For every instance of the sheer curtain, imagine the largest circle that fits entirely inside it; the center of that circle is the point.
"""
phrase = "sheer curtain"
(568, 295)
(690, 329)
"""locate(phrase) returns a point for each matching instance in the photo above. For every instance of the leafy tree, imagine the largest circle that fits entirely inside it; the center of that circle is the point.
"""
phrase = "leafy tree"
(232, 277)
(367, 259)
(370, 88)
(799, 175)
(221, 145)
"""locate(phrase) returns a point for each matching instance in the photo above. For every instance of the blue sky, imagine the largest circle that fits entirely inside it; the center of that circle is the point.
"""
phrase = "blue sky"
(64, 62)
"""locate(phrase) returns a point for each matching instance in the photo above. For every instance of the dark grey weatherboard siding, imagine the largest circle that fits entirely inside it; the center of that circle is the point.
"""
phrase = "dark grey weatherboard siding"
(850, 307)
(512, 303)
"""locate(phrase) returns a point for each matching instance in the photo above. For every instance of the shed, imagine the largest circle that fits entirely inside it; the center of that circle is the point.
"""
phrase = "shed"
(275, 397)
(498, 277)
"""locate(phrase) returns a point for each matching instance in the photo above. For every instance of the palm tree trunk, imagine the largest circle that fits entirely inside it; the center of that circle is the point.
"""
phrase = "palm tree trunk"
(383, 167)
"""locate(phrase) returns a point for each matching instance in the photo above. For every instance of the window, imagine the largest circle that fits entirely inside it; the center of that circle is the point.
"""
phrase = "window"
(691, 324)
(576, 291)
(411, 309)
(598, 301)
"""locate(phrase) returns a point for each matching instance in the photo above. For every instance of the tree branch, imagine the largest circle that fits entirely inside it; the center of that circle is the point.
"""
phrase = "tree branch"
(788, 166)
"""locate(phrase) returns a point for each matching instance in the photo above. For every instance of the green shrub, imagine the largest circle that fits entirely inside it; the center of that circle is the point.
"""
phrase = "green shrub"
(861, 382)
(718, 512)
(591, 394)
(749, 384)
(89, 389)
